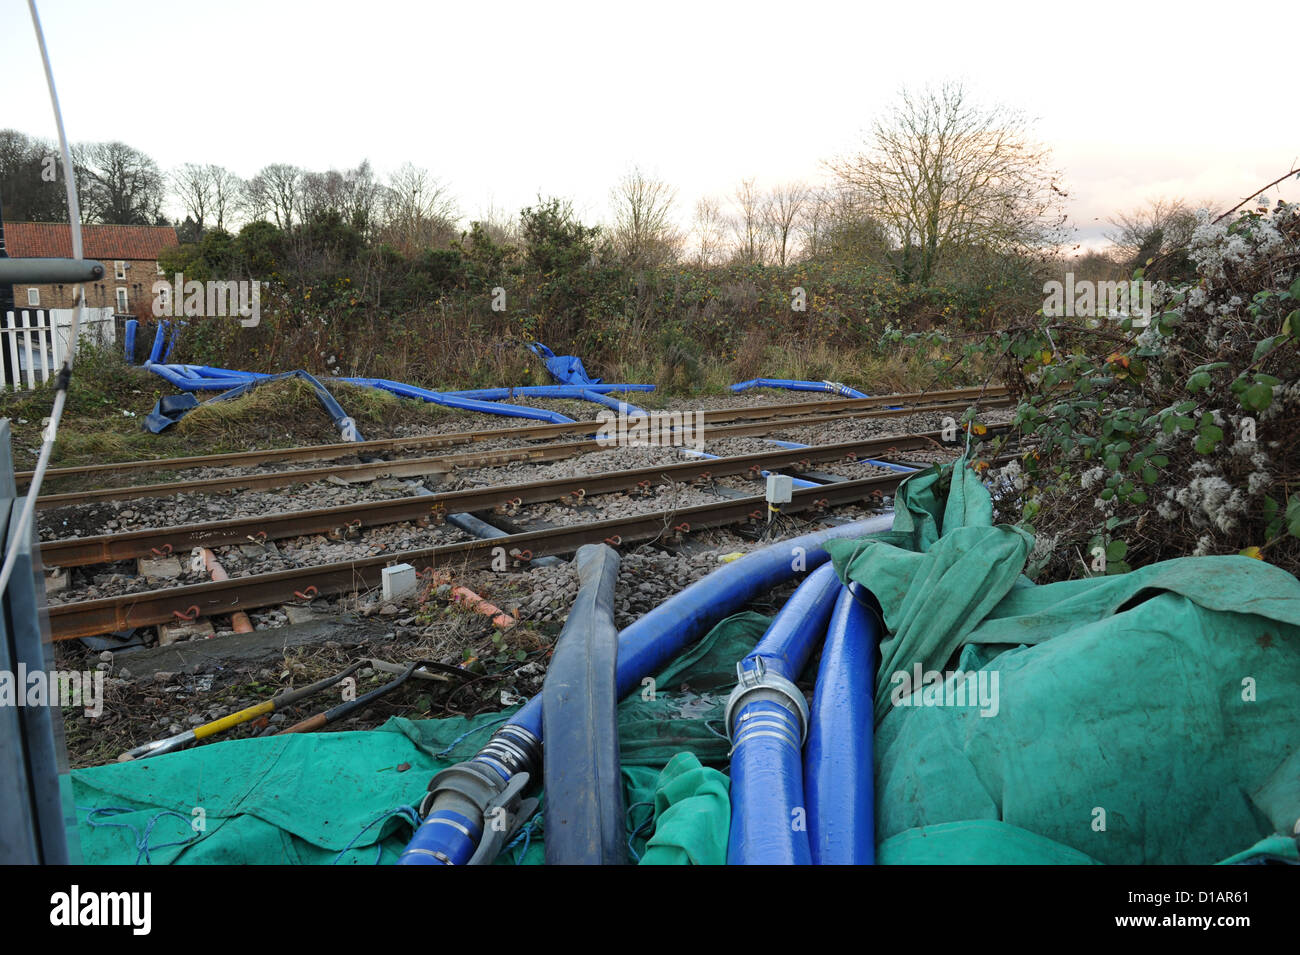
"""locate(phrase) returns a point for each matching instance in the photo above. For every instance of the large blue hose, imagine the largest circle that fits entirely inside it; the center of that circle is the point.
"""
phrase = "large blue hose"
(792, 384)
(129, 339)
(543, 391)
(838, 771)
(155, 353)
(767, 721)
(644, 648)
(204, 378)
(170, 410)
(464, 404)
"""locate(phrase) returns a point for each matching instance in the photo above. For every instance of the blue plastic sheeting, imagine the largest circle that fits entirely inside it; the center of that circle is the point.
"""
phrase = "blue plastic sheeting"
(833, 387)
(174, 407)
(566, 369)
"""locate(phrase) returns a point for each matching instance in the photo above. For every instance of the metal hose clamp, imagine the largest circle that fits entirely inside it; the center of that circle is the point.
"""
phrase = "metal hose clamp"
(758, 684)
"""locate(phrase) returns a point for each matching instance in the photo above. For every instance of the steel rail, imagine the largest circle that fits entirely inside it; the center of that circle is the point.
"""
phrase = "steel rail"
(438, 464)
(342, 519)
(540, 431)
(104, 615)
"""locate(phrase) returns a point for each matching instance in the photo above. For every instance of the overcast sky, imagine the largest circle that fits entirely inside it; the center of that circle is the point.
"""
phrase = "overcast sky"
(506, 100)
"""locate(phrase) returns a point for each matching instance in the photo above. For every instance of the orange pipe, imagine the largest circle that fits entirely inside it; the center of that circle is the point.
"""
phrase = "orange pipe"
(238, 620)
(472, 601)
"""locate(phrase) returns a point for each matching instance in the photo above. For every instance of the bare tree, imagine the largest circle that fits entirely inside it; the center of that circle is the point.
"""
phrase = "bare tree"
(193, 186)
(226, 190)
(274, 193)
(837, 224)
(31, 183)
(747, 224)
(1173, 220)
(709, 232)
(119, 184)
(943, 174)
(419, 210)
(644, 232)
(782, 211)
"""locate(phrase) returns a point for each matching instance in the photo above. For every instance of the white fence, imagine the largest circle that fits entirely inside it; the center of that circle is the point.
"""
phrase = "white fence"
(34, 342)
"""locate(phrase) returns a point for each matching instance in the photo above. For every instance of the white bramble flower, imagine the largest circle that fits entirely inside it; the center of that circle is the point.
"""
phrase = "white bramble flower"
(1257, 481)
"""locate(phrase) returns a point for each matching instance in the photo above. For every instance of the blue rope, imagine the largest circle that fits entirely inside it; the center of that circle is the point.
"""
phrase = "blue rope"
(406, 812)
(456, 742)
(525, 836)
(142, 846)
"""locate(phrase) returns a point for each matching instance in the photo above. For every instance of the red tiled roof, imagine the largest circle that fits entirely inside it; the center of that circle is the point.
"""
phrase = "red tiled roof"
(47, 240)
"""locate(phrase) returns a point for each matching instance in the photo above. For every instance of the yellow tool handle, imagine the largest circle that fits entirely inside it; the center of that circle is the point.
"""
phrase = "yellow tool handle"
(234, 719)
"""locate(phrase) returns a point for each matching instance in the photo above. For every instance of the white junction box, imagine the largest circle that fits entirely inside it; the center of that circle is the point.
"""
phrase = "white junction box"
(779, 488)
(399, 579)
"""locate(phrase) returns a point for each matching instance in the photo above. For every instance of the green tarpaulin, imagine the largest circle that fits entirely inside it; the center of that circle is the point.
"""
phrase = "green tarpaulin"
(1148, 717)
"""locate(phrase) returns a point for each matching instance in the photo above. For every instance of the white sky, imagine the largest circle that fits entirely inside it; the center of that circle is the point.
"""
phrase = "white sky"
(504, 100)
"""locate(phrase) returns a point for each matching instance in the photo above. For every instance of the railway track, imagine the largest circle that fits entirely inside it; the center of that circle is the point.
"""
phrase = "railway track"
(219, 598)
(222, 598)
(530, 432)
(107, 548)
(446, 463)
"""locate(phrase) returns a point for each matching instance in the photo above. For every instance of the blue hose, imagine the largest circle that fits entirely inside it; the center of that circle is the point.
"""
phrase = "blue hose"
(833, 387)
(647, 645)
(838, 771)
(543, 391)
(129, 339)
(155, 353)
(463, 404)
(767, 719)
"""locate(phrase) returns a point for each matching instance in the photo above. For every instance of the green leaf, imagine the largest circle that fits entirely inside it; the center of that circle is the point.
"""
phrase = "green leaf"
(1198, 382)
(1209, 439)
(1116, 550)
(1150, 475)
(1257, 397)
(1293, 516)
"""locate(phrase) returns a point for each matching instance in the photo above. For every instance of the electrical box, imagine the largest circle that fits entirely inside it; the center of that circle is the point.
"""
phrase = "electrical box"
(779, 488)
(398, 580)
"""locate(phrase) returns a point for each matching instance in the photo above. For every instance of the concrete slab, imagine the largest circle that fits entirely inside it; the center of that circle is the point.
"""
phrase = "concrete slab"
(56, 581)
(159, 568)
(200, 629)
(241, 648)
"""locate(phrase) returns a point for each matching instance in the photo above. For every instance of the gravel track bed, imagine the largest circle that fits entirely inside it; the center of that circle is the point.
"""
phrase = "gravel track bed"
(104, 517)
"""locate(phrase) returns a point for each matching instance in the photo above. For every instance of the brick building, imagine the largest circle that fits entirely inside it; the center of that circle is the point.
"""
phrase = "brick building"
(129, 254)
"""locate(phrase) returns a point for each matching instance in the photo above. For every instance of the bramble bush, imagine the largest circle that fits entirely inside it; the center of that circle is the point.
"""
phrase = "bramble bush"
(1174, 437)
